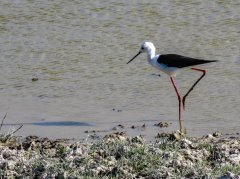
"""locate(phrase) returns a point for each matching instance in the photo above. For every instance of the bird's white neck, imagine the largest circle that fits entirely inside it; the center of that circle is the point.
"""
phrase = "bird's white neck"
(150, 53)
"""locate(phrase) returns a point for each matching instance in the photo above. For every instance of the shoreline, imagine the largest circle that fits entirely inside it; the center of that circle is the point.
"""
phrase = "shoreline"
(118, 155)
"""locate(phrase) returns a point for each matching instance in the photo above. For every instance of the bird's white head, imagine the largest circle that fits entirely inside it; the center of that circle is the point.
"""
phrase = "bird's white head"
(145, 47)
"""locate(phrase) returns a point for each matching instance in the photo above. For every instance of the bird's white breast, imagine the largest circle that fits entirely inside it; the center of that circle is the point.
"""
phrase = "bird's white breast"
(171, 71)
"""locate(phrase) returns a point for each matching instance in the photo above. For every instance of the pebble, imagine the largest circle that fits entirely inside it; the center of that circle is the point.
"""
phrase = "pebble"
(216, 134)
(185, 143)
(138, 139)
(34, 79)
(229, 175)
(209, 136)
(162, 124)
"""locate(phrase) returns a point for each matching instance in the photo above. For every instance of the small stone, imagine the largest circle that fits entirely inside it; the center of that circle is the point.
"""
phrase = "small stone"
(179, 157)
(234, 158)
(138, 139)
(10, 164)
(233, 151)
(122, 138)
(227, 176)
(185, 143)
(205, 153)
(114, 128)
(94, 136)
(112, 161)
(34, 79)
(121, 126)
(168, 175)
(186, 152)
(3, 164)
(11, 174)
(209, 136)
(102, 153)
(216, 134)
(6, 154)
(78, 151)
(237, 176)
(156, 74)
(177, 163)
(176, 135)
(162, 135)
(117, 110)
(162, 124)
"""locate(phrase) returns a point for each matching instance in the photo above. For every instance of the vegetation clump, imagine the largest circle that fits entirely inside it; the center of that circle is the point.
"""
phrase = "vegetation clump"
(120, 156)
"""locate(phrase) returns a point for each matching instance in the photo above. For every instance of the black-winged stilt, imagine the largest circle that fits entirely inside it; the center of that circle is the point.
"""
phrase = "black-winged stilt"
(170, 64)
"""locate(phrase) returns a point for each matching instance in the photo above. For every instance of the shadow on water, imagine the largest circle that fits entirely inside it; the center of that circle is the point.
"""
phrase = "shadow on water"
(56, 123)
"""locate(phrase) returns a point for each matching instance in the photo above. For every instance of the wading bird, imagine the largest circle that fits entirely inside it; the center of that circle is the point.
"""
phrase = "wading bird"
(170, 64)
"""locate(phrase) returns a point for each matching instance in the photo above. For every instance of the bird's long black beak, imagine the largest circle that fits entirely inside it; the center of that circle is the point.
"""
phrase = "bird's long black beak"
(134, 57)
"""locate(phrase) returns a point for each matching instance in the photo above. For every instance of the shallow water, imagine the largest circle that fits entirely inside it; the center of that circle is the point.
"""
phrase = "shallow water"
(79, 50)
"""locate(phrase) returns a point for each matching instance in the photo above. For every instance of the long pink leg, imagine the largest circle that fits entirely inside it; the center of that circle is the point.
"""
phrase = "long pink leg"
(180, 103)
(184, 97)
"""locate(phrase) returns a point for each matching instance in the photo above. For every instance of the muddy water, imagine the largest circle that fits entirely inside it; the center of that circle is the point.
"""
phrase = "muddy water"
(78, 50)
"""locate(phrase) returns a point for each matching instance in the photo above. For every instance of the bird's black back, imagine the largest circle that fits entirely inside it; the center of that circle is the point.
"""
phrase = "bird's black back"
(179, 61)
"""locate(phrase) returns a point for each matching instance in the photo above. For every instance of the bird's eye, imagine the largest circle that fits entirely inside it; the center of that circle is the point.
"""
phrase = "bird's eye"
(142, 48)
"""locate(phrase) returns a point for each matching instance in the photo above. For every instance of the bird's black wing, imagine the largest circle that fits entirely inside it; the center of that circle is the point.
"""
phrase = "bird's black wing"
(179, 61)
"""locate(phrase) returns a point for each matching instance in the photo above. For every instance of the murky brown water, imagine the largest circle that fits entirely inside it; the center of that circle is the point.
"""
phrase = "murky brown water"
(79, 50)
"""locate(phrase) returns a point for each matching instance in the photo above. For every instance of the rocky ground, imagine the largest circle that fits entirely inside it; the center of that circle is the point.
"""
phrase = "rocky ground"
(120, 156)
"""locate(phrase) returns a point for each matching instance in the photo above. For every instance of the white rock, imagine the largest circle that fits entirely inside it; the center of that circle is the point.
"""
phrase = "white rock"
(177, 163)
(234, 158)
(228, 175)
(122, 138)
(209, 136)
(3, 164)
(188, 142)
(186, 152)
(70, 158)
(205, 153)
(78, 151)
(10, 164)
